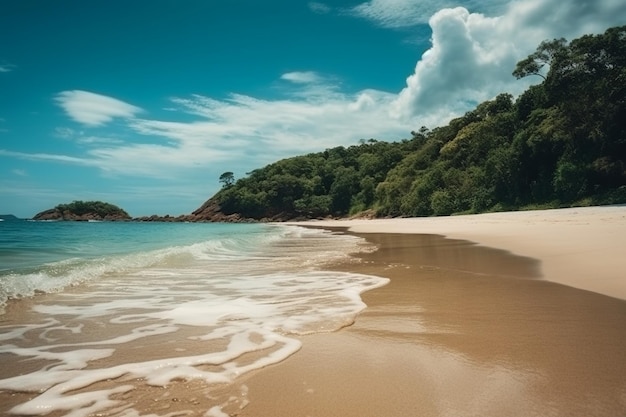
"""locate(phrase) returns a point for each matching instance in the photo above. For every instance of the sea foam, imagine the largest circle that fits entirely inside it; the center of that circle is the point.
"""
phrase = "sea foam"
(207, 312)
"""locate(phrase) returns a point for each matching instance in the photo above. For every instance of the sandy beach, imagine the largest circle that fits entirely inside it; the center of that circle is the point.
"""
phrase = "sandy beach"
(581, 247)
(492, 315)
(503, 314)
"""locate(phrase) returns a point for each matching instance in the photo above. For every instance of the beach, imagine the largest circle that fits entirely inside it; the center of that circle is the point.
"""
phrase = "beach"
(500, 314)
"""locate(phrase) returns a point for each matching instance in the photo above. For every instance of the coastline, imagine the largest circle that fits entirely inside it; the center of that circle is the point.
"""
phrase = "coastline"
(468, 329)
(581, 247)
(461, 329)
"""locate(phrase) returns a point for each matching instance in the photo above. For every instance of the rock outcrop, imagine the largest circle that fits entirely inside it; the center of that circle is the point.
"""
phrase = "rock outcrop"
(211, 211)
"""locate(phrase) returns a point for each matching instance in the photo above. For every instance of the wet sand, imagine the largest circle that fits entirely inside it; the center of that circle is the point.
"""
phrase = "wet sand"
(461, 330)
(582, 247)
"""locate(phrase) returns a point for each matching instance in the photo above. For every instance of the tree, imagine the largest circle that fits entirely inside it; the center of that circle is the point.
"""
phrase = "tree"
(227, 179)
(545, 54)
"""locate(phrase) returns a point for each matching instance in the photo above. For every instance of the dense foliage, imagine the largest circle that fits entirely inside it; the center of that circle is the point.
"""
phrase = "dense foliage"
(100, 208)
(562, 142)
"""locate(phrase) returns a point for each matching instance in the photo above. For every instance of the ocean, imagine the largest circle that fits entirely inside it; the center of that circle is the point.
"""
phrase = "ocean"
(108, 318)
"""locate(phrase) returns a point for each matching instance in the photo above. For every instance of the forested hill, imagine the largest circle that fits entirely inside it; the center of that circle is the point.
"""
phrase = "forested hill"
(84, 211)
(561, 143)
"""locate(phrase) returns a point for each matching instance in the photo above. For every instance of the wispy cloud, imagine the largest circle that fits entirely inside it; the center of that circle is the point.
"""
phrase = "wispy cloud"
(239, 132)
(405, 13)
(319, 7)
(93, 109)
(79, 136)
(247, 128)
(48, 157)
(7, 68)
(309, 85)
(20, 172)
(302, 77)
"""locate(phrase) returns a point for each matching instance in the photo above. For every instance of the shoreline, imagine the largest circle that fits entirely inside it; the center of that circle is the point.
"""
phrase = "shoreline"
(581, 247)
(461, 329)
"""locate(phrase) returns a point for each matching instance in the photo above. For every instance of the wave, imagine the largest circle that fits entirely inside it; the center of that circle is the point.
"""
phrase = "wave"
(255, 250)
(58, 275)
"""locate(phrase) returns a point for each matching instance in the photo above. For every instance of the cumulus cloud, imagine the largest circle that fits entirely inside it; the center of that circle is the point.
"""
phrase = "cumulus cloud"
(93, 109)
(472, 55)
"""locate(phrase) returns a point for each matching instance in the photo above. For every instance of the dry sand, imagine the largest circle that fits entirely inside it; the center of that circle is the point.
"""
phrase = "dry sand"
(471, 330)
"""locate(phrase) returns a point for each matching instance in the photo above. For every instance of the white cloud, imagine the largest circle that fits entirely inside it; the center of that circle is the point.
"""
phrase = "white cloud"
(310, 85)
(302, 77)
(472, 56)
(48, 157)
(81, 138)
(261, 131)
(94, 109)
(19, 172)
(404, 13)
(239, 133)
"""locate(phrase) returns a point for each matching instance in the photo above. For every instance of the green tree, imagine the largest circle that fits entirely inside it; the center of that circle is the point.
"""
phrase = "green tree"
(545, 54)
(227, 179)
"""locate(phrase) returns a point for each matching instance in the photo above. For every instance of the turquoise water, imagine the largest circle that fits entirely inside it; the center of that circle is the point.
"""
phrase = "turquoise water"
(103, 312)
(29, 244)
(48, 256)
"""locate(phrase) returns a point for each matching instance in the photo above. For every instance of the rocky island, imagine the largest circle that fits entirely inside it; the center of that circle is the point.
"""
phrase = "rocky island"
(84, 211)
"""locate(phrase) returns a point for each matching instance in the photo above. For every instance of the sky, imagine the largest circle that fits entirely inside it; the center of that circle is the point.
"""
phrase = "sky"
(145, 104)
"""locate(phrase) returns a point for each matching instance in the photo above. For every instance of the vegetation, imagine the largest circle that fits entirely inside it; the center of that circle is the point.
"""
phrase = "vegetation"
(561, 143)
(227, 179)
(99, 208)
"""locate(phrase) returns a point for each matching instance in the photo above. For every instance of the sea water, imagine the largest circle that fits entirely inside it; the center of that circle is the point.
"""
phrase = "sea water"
(96, 316)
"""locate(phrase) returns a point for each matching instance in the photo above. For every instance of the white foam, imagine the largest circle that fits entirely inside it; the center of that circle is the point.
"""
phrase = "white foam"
(223, 310)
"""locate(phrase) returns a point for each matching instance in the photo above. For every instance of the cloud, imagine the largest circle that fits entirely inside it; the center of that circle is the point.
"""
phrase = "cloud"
(237, 133)
(246, 128)
(318, 7)
(81, 138)
(309, 84)
(48, 157)
(19, 172)
(405, 13)
(472, 56)
(94, 109)
(302, 77)
(6, 68)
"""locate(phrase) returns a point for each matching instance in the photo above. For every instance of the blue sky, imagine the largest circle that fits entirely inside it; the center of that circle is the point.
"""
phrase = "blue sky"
(144, 104)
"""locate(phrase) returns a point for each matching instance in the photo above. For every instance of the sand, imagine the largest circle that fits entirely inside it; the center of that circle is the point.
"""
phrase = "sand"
(512, 314)
(581, 247)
